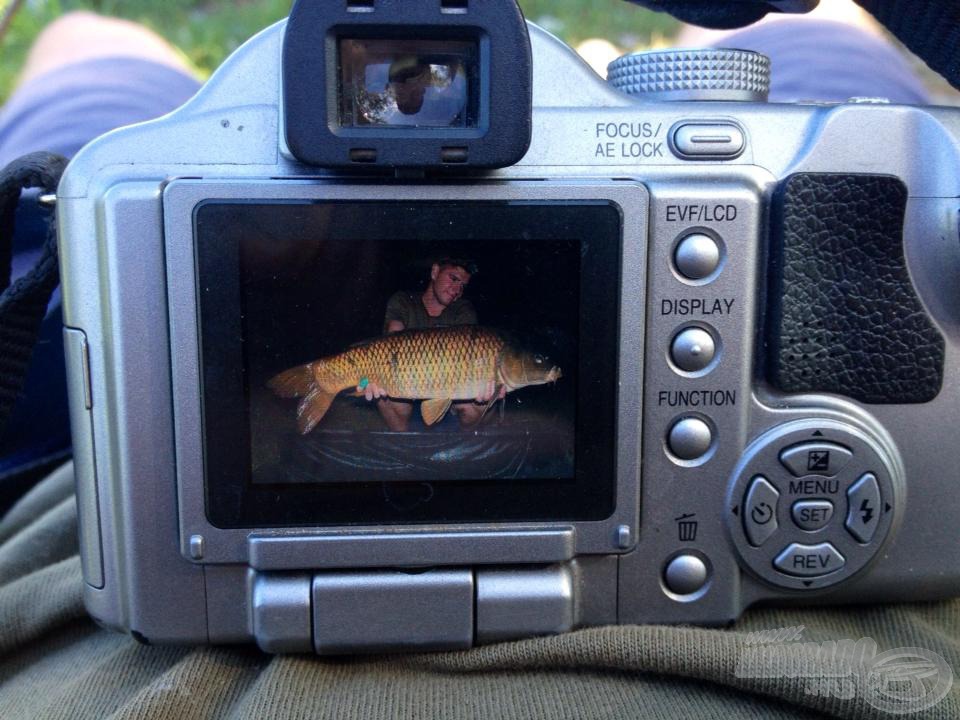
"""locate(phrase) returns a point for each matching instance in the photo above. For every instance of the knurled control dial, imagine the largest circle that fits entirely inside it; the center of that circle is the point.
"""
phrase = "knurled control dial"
(700, 74)
(811, 503)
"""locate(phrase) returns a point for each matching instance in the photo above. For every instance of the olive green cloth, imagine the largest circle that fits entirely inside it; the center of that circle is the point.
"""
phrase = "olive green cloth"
(55, 663)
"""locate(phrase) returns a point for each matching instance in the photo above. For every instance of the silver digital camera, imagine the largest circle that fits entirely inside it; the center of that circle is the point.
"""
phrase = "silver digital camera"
(411, 332)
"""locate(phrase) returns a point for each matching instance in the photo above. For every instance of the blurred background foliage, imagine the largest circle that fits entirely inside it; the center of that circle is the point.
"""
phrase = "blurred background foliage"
(209, 30)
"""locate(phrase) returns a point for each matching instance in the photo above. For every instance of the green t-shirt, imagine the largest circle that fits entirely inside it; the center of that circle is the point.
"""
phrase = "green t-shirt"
(407, 307)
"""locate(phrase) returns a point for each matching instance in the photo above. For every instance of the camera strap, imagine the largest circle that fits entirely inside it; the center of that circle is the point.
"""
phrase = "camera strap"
(23, 303)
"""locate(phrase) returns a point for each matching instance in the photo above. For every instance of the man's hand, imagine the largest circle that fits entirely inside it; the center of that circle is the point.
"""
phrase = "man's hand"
(372, 391)
(488, 392)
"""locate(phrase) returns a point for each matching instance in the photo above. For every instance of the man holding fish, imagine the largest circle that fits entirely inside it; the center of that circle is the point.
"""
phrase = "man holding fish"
(441, 303)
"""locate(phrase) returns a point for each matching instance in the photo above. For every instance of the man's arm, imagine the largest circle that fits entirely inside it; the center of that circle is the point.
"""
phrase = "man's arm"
(398, 309)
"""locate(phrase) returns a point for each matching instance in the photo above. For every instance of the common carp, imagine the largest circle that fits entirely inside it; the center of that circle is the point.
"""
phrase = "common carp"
(436, 365)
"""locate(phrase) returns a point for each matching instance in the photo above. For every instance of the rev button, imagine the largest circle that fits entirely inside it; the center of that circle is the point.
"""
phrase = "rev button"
(809, 560)
(815, 458)
(760, 511)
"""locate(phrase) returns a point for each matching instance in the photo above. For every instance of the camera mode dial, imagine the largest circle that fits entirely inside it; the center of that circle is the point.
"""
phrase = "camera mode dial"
(695, 74)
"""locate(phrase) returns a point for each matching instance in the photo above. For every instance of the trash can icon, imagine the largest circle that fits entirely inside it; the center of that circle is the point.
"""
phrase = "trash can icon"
(687, 527)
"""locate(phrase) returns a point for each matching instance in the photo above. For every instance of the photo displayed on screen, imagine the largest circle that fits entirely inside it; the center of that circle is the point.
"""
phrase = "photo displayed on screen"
(410, 359)
(368, 362)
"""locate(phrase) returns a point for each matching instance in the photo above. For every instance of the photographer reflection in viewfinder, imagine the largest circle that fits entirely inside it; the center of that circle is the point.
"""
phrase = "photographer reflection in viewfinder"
(426, 93)
(440, 304)
(408, 82)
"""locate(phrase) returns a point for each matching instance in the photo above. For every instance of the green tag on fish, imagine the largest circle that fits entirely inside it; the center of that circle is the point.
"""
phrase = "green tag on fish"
(363, 383)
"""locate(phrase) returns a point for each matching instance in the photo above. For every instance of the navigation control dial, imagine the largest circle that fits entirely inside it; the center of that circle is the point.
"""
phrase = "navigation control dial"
(811, 502)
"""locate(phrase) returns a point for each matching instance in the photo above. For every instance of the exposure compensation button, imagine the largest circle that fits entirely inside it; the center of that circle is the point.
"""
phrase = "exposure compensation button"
(689, 438)
(809, 560)
(692, 349)
(697, 256)
(815, 458)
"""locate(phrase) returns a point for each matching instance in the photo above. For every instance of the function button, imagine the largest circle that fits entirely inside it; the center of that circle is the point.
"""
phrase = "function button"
(760, 511)
(707, 140)
(697, 256)
(689, 438)
(815, 458)
(863, 508)
(692, 349)
(811, 514)
(685, 574)
(809, 560)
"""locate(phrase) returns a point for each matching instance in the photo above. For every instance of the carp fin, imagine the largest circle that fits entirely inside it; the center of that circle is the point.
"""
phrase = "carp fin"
(490, 403)
(294, 382)
(312, 409)
(434, 410)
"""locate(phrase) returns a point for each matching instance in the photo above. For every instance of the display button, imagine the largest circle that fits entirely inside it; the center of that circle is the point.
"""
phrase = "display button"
(815, 458)
(697, 256)
(863, 508)
(760, 511)
(707, 140)
(811, 514)
(689, 438)
(685, 574)
(809, 560)
(692, 349)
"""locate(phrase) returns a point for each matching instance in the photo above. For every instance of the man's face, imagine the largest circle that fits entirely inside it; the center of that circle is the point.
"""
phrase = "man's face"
(409, 93)
(448, 283)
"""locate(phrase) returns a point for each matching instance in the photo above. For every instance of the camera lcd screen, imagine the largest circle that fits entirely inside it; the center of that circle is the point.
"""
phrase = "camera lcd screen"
(372, 362)
(404, 83)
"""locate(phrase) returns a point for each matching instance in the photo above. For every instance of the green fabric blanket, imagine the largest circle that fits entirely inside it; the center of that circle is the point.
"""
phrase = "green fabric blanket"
(55, 663)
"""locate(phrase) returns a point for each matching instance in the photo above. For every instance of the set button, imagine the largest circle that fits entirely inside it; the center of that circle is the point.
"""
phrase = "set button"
(811, 515)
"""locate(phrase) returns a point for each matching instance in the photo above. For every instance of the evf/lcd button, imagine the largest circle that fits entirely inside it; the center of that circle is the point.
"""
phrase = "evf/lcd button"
(693, 349)
(697, 256)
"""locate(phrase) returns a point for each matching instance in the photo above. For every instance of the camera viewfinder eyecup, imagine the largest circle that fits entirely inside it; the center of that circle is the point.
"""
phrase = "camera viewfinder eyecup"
(385, 83)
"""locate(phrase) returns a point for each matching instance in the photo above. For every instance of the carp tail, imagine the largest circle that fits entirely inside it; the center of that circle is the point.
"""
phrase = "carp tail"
(312, 408)
(296, 382)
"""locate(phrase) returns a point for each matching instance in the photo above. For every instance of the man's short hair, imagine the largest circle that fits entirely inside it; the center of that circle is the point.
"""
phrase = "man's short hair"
(466, 263)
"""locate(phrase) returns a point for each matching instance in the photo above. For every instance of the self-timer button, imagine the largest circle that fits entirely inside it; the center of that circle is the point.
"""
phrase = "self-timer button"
(760, 511)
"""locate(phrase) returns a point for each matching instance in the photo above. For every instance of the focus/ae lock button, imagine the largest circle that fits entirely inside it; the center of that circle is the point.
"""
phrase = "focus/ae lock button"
(696, 141)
